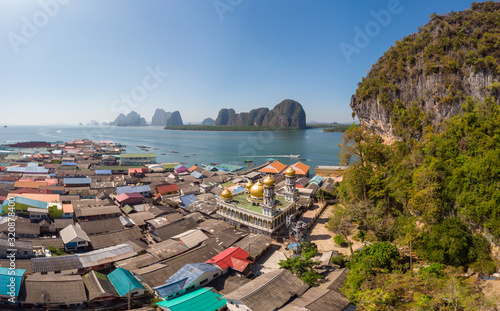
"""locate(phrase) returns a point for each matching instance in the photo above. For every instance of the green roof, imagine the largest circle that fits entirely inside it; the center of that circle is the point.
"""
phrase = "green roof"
(121, 279)
(172, 165)
(138, 155)
(241, 201)
(202, 299)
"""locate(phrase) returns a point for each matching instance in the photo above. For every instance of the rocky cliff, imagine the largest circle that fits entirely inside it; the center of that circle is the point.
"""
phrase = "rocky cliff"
(174, 119)
(426, 77)
(160, 117)
(132, 119)
(287, 114)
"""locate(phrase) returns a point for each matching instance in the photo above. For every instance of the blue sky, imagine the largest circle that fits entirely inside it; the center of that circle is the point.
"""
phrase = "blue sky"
(64, 62)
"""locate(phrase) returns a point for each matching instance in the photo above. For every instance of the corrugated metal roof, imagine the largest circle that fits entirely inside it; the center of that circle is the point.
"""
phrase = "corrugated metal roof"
(224, 259)
(107, 255)
(59, 263)
(197, 174)
(5, 275)
(29, 202)
(103, 172)
(77, 181)
(191, 238)
(71, 232)
(130, 189)
(188, 199)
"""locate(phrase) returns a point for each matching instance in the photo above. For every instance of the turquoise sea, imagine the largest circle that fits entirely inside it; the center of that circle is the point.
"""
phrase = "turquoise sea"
(197, 147)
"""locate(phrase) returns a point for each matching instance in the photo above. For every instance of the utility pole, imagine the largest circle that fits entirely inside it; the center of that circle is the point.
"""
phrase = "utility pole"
(129, 288)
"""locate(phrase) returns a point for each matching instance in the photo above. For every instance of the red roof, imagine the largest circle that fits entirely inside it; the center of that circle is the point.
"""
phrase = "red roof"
(234, 257)
(274, 168)
(167, 188)
(300, 168)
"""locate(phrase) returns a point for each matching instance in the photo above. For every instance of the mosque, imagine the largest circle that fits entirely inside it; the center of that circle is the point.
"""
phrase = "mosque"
(259, 209)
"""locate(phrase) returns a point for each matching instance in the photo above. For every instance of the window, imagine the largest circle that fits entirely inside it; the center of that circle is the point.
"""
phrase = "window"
(215, 275)
(57, 272)
(204, 281)
(44, 272)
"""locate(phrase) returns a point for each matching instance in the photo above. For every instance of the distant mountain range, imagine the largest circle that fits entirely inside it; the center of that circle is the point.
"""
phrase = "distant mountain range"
(287, 114)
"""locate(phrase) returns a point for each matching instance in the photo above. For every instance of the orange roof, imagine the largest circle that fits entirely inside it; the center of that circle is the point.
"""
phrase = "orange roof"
(52, 181)
(192, 168)
(274, 168)
(44, 197)
(300, 168)
(68, 208)
(29, 184)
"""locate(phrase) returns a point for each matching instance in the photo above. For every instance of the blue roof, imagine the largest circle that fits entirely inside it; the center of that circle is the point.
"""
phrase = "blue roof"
(28, 169)
(317, 180)
(292, 246)
(197, 174)
(238, 190)
(80, 181)
(121, 279)
(5, 275)
(130, 189)
(26, 201)
(166, 290)
(188, 199)
(184, 277)
(178, 166)
(69, 164)
(103, 172)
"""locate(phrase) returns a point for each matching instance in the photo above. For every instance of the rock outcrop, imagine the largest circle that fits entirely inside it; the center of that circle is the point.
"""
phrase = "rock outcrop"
(132, 119)
(160, 117)
(287, 114)
(174, 119)
(425, 78)
(208, 121)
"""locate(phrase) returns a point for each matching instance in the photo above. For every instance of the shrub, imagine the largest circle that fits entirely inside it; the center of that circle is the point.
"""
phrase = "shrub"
(339, 240)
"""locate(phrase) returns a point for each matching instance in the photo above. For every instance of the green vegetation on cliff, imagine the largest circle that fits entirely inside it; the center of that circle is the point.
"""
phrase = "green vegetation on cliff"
(425, 77)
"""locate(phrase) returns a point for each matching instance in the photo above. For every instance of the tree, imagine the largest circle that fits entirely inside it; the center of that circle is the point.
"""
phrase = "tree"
(302, 268)
(340, 223)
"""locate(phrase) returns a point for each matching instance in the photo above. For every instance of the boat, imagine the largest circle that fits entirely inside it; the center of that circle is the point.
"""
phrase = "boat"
(247, 161)
(302, 159)
(173, 151)
(163, 154)
(186, 156)
(295, 156)
(156, 149)
(251, 164)
(5, 126)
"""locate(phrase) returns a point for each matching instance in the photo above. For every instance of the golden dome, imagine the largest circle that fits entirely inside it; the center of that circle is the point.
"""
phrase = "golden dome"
(226, 194)
(257, 190)
(290, 172)
(269, 181)
(249, 185)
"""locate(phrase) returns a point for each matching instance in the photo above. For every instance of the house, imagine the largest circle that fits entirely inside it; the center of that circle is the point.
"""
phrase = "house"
(129, 198)
(137, 172)
(23, 249)
(191, 238)
(126, 283)
(137, 158)
(100, 226)
(60, 290)
(187, 189)
(143, 190)
(167, 190)
(188, 199)
(108, 160)
(24, 227)
(103, 240)
(173, 229)
(34, 209)
(330, 171)
(267, 292)
(273, 168)
(99, 212)
(99, 287)
(74, 238)
(106, 257)
(180, 169)
(301, 169)
(77, 182)
(11, 280)
(202, 299)
(320, 299)
(234, 258)
(188, 278)
(255, 244)
(69, 264)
